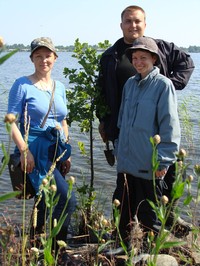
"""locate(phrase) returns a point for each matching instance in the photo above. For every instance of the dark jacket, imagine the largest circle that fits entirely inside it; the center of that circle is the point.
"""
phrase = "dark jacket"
(175, 64)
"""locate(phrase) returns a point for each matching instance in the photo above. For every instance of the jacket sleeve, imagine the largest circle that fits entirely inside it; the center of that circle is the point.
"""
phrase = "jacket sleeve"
(175, 64)
(169, 126)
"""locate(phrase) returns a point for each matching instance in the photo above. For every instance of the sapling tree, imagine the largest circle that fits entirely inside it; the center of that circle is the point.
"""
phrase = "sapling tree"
(84, 93)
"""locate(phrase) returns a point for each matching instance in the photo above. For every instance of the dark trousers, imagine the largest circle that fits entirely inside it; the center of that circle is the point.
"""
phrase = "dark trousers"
(169, 180)
(133, 192)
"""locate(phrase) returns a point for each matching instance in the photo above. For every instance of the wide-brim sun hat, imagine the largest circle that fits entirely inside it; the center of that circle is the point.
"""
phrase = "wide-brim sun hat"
(42, 42)
(143, 43)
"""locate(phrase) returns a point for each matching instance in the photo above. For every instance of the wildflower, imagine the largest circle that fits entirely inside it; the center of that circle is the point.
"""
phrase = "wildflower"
(11, 250)
(164, 199)
(104, 222)
(53, 188)
(151, 233)
(96, 225)
(197, 169)
(72, 179)
(61, 243)
(35, 250)
(10, 118)
(35, 217)
(156, 139)
(116, 203)
(180, 164)
(190, 178)
(44, 182)
(182, 154)
(1, 42)
(54, 223)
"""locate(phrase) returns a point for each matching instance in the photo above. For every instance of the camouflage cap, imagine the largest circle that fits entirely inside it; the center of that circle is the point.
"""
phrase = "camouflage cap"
(42, 42)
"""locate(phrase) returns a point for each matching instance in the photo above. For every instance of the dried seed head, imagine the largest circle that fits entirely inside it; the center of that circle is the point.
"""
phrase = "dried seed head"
(180, 164)
(182, 153)
(54, 223)
(61, 243)
(164, 199)
(11, 250)
(151, 233)
(116, 203)
(72, 179)
(190, 178)
(35, 217)
(10, 118)
(156, 139)
(53, 188)
(104, 222)
(1, 42)
(44, 182)
(197, 169)
(35, 250)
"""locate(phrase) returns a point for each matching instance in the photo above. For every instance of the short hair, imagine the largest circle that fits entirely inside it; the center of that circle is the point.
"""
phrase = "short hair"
(133, 8)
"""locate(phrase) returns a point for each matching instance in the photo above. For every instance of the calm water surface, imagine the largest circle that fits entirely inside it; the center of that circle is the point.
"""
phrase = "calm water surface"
(105, 175)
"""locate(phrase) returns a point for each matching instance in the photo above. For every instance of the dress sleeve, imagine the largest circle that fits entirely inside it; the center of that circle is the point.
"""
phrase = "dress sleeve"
(16, 99)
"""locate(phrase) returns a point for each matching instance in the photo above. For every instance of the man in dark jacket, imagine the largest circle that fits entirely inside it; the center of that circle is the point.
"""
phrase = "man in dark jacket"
(115, 69)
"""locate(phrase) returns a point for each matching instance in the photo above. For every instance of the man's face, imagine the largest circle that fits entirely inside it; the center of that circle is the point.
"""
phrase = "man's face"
(133, 25)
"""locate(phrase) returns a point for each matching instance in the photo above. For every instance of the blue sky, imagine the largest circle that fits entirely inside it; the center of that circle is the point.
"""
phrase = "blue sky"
(94, 21)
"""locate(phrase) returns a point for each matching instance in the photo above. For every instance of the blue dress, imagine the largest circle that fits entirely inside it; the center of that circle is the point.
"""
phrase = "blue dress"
(24, 97)
(30, 103)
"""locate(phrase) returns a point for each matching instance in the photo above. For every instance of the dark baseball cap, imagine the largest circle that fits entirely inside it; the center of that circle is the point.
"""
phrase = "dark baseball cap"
(42, 42)
(143, 43)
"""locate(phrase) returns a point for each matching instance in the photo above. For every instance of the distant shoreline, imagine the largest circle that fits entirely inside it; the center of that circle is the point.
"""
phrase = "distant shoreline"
(70, 48)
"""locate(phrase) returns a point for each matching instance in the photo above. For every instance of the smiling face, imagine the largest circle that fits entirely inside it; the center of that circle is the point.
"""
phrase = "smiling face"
(133, 25)
(143, 61)
(43, 59)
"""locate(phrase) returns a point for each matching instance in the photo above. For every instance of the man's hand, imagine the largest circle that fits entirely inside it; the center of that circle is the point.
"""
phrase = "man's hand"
(102, 132)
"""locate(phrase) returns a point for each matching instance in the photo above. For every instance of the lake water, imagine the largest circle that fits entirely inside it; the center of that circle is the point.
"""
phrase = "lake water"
(105, 175)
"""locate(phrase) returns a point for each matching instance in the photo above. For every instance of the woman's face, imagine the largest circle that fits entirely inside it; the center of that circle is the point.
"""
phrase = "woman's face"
(143, 61)
(43, 59)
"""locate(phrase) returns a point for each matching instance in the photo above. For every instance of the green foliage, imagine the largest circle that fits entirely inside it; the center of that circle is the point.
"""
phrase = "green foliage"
(83, 96)
(83, 92)
(9, 195)
(187, 125)
(7, 56)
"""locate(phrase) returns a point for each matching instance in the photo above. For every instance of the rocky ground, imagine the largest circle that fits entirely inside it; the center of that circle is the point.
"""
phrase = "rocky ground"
(187, 254)
(81, 251)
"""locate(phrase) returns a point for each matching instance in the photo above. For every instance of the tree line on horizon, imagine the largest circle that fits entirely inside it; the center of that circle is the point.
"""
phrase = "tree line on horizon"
(70, 48)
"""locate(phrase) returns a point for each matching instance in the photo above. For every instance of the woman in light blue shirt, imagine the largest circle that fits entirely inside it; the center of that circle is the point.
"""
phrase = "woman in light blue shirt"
(148, 108)
(29, 100)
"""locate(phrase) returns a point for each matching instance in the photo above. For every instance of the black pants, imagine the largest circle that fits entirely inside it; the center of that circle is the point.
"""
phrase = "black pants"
(169, 180)
(133, 192)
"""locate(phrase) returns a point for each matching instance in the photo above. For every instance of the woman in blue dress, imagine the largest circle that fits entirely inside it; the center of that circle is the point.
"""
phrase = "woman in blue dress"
(30, 98)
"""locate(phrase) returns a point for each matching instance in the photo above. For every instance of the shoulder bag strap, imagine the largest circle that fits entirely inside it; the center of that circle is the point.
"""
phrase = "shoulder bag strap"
(50, 104)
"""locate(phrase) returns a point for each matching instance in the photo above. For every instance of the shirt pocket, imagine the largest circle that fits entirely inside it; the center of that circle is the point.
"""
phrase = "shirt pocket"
(145, 117)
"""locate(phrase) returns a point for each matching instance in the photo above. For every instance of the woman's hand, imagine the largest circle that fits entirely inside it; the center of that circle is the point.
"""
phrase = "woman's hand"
(160, 174)
(30, 162)
(65, 167)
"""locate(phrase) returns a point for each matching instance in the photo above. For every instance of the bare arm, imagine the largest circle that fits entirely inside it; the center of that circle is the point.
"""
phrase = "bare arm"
(26, 155)
(65, 167)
